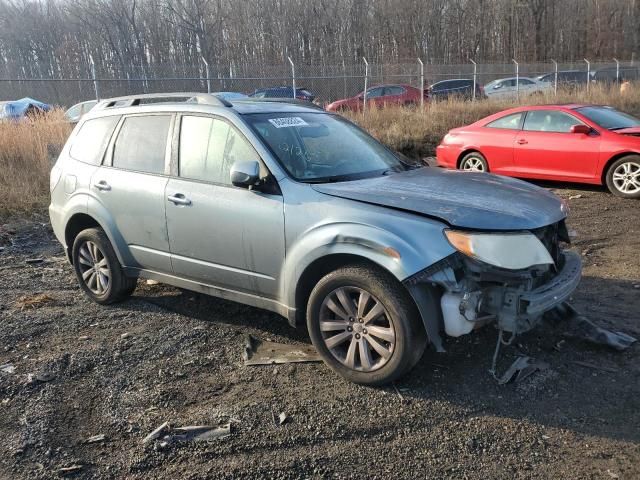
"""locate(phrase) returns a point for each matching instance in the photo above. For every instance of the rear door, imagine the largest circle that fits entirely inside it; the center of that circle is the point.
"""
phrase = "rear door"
(221, 235)
(130, 187)
(545, 148)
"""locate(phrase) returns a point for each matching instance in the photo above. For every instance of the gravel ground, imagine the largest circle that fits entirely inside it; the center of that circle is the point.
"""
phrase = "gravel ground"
(170, 356)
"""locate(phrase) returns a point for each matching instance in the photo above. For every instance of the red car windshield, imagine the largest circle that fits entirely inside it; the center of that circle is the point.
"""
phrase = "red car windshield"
(609, 118)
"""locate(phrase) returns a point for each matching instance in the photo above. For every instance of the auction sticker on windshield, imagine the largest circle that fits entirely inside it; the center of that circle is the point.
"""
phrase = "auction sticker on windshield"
(288, 122)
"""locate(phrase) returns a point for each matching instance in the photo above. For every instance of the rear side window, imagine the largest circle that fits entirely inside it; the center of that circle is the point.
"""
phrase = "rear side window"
(394, 91)
(208, 149)
(511, 122)
(142, 143)
(549, 121)
(92, 139)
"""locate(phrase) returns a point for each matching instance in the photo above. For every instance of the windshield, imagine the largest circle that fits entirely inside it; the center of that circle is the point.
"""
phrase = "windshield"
(609, 118)
(318, 147)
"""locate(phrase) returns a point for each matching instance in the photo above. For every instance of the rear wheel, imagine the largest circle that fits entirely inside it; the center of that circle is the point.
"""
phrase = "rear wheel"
(623, 177)
(474, 162)
(364, 325)
(97, 268)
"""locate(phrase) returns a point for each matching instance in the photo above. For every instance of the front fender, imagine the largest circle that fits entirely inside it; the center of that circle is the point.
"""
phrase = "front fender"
(391, 251)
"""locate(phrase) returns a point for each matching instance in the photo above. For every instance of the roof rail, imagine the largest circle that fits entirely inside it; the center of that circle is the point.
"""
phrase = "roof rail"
(291, 101)
(172, 97)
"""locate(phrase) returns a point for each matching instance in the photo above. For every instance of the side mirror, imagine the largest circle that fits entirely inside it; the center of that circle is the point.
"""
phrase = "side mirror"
(497, 86)
(583, 129)
(245, 174)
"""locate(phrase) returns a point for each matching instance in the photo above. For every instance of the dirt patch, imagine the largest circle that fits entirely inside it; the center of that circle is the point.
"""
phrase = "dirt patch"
(81, 371)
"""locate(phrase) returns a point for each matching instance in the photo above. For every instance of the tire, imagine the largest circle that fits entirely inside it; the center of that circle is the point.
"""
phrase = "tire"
(347, 343)
(474, 162)
(623, 177)
(92, 249)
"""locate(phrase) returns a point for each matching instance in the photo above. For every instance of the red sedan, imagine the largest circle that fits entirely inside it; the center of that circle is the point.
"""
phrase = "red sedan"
(570, 143)
(379, 96)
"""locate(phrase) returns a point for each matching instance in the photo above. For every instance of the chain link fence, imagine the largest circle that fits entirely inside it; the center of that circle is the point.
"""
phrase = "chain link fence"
(326, 83)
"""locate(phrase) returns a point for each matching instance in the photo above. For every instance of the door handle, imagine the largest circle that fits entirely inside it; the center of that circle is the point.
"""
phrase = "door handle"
(102, 186)
(522, 141)
(179, 199)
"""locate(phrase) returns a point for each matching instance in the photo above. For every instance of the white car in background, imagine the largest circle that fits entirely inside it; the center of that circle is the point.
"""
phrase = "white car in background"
(514, 86)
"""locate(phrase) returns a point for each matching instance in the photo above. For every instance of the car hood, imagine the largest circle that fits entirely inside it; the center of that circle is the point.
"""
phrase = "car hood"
(633, 131)
(462, 199)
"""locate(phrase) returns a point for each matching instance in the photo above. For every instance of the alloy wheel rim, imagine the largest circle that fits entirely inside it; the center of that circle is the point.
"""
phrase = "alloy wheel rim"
(626, 177)
(94, 268)
(357, 329)
(473, 164)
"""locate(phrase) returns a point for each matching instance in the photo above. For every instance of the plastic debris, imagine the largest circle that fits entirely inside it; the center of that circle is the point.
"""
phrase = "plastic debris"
(282, 418)
(521, 368)
(257, 352)
(583, 328)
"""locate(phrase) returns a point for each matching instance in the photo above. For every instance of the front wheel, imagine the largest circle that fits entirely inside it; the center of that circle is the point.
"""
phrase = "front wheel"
(623, 177)
(364, 325)
(474, 162)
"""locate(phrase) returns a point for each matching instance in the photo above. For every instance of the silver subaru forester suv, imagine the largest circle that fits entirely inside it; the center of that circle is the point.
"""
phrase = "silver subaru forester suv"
(286, 207)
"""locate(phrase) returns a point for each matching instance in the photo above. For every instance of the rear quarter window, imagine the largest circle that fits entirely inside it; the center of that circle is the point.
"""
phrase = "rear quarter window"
(510, 122)
(91, 140)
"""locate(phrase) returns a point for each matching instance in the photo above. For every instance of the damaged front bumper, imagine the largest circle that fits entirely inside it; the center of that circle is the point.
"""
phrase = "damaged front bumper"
(472, 293)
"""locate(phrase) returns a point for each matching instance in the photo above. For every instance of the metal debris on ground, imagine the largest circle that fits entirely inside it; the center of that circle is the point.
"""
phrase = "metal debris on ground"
(34, 261)
(282, 418)
(70, 470)
(41, 377)
(156, 433)
(96, 438)
(7, 368)
(195, 433)
(521, 368)
(258, 352)
(583, 328)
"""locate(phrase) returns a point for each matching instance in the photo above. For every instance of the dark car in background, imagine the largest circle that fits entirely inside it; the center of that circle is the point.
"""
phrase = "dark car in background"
(566, 77)
(610, 75)
(283, 92)
(380, 96)
(459, 87)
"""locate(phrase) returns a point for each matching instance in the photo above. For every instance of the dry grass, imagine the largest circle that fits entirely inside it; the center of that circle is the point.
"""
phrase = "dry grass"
(416, 133)
(27, 150)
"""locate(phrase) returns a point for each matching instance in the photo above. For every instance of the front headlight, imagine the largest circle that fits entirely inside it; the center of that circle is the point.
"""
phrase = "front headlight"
(513, 251)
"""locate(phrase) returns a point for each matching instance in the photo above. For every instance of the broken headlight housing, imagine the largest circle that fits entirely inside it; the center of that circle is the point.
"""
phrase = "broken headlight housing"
(513, 251)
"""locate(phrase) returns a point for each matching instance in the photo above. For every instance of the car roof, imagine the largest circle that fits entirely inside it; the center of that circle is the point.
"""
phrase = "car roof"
(197, 102)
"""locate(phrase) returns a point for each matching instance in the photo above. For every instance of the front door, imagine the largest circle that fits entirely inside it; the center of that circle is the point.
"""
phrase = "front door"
(546, 148)
(219, 234)
(131, 188)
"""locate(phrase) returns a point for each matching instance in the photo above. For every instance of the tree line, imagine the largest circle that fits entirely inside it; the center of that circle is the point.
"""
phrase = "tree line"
(58, 38)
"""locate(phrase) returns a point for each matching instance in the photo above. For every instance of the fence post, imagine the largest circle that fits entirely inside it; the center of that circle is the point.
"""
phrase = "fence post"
(475, 78)
(555, 77)
(617, 70)
(93, 77)
(421, 83)
(293, 76)
(588, 73)
(517, 79)
(206, 72)
(366, 85)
